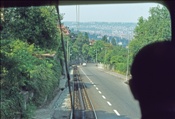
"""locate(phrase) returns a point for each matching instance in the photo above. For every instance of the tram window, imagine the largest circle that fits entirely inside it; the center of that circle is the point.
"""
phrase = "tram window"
(104, 37)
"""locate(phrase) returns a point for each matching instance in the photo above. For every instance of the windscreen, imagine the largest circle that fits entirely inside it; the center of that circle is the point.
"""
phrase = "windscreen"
(100, 42)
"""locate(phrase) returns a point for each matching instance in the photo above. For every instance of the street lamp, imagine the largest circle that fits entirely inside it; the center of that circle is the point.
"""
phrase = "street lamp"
(127, 70)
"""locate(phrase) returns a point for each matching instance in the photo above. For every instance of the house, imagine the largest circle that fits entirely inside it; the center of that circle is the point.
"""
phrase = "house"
(65, 29)
(91, 42)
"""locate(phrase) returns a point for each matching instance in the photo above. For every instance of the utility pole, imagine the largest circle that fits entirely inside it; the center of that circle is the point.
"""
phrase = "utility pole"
(96, 55)
(69, 55)
(127, 70)
(67, 50)
(105, 57)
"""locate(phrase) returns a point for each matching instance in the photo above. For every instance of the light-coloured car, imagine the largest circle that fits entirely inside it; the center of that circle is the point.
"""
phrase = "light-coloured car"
(84, 64)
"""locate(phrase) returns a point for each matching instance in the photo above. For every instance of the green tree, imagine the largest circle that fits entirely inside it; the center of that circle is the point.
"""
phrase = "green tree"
(98, 49)
(85, 50)
(21, 71)
(86, 37)
(105, 38)
(80, 49)
(156, 28)
(28, 33)
(35, 25)
(113, 42)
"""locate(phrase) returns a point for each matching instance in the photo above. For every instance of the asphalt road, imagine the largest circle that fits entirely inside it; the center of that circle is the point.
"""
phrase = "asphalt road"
(109, 94)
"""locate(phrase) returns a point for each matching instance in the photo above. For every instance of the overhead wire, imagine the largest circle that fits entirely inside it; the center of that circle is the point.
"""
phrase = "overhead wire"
(77, 16)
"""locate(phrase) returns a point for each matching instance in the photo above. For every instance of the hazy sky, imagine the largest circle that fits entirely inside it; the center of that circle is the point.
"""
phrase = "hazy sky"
(108, 13)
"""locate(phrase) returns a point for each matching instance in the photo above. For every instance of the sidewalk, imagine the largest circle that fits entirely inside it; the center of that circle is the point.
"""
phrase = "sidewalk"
(121, 76)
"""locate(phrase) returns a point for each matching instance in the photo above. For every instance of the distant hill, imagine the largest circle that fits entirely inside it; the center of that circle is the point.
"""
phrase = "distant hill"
(121, 31)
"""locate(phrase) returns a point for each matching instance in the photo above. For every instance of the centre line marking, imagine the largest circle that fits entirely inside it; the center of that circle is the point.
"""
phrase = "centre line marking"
(109, 103)
(96, 88)
(103, 96)
(85, 74)
(99, 92)
(117, 112)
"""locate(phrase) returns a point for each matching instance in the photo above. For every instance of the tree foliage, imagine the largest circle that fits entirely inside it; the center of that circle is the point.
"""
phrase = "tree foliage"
(156, 28)
(35, 25)
(105, 38)
(79, 47)
(27, 34)
(113, 41)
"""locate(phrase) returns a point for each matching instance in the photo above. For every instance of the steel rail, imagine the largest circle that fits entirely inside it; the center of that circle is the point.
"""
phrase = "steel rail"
(81, 100)
(93, 109)
(83, 107)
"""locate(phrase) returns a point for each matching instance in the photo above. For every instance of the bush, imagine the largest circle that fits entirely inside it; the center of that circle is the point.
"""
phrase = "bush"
(22, 71)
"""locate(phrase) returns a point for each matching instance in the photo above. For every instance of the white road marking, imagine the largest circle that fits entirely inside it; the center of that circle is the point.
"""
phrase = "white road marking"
(96, 88)
(117, 112)
(109, 103)
(99, 92)
(85, 75)
(103, 96)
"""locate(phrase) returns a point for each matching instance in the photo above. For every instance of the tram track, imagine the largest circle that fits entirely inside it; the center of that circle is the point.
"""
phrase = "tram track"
(83, 107)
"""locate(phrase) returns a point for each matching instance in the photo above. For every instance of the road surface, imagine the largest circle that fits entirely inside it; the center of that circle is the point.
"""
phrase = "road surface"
(109, 94)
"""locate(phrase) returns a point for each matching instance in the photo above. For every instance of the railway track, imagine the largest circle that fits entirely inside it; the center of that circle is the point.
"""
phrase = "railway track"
(83, 108)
